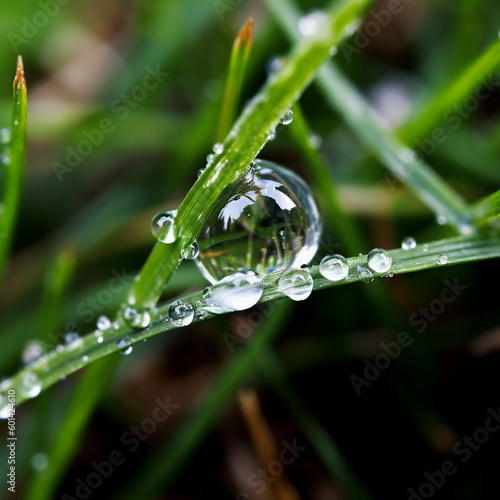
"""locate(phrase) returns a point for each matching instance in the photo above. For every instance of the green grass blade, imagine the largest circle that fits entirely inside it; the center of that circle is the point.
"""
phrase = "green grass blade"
(325, 185)
(14, 169)
(88, 393)
(163, 466)
(327, 449)
(50, 368)
(393, 154)
(237, 67)
(247, 137)
(487, 209)
(57, 282)
(442, 105)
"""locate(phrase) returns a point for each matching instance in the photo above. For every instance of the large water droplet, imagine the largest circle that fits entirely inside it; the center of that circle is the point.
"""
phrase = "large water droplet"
(264, 221)
(32, 351)
(296, 283)
(124, 346)
(334, 267)
(162, 226)
(31, 385)
(442, 259)
(236, 292)
(190, 251)
(181, 313)
(408, 243)
(286, 117)
(379, 260)
(314, 24)
(136, 318)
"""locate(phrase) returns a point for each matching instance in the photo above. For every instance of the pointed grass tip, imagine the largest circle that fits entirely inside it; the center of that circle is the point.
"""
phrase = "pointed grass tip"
(245, 35)
(19, 80)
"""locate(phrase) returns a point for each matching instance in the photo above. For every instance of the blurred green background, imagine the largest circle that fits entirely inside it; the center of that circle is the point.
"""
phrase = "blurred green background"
(110, 146)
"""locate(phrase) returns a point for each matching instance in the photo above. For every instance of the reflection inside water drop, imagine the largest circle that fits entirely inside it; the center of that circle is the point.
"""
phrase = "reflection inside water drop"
(264, 221)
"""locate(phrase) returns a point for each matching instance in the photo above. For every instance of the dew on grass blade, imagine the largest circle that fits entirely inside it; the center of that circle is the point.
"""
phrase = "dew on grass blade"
(31, 385)
(190, 251)
(408, 243)
(124, 346)
(236, 292)
(103, 323)
(286, 117)
(4, 136)
(442, 259)
(72, 340)
(218, 148)
(136, 318)
(264, 221)
(296, 284)
(162, 226)
(32, 351)
(334, 267)
(181, 313)
(314, 24)
(365, 274)
(379, 260)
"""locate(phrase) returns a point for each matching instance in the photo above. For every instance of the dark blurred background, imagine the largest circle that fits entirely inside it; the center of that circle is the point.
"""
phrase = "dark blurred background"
(86, 62)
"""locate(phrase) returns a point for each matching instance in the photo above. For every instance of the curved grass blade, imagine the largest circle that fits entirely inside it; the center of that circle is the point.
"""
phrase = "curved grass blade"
(50, 368)
(15, 161)
(235, 77)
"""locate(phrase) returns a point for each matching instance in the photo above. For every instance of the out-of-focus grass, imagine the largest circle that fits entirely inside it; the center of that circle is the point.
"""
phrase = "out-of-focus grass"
(103, 206)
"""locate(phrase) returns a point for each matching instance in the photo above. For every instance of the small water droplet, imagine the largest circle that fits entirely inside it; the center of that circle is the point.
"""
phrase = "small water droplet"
(5, 409)
(334, 267)
(181, 313)
(274, 65)
(103, 323)
(379, 260)
(210, 158)
(314, 24)
(162, 226)
(39, 461)
(271, 135)
(200, 171)
(72, 340)
(236, 292)
(5, 160)
(31, 385)
(315, 140)
(85, 359)
(441, 219)
(365, 274)
(191, 251)
(136, 318)
(296, 284)
(218, 148)
(4, 136)
(408, 243)
(426, 247)
(124, 346)
(100, 339)
(442, 259)
(32, 351)
(333, 51)
(286, 117)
